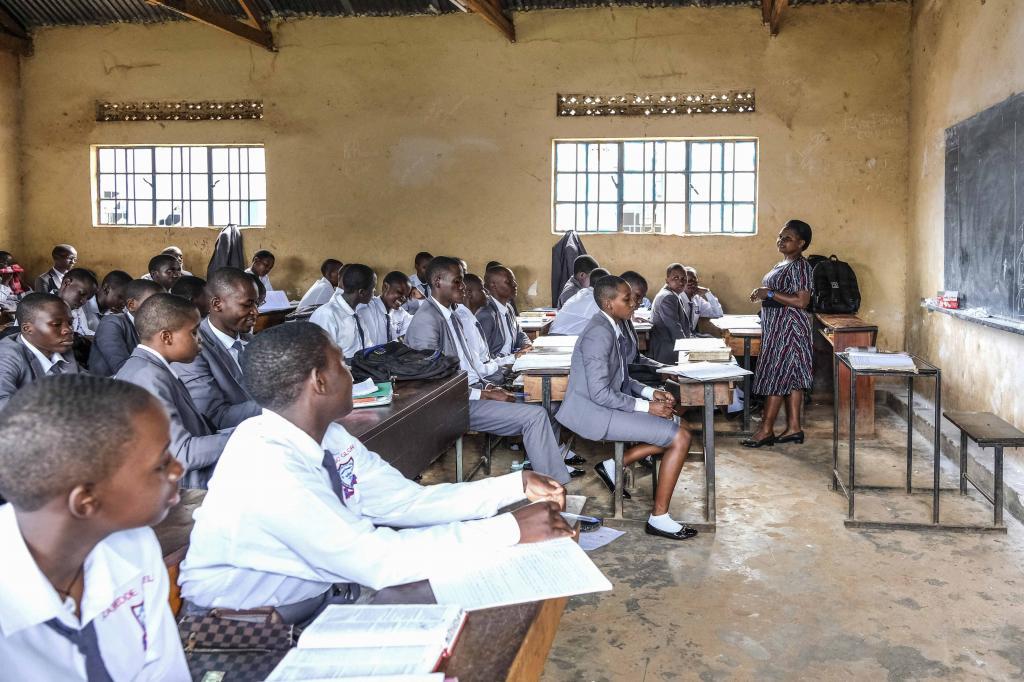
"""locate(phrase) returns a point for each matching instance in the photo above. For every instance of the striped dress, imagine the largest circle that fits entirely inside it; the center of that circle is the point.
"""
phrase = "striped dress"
(784, 365)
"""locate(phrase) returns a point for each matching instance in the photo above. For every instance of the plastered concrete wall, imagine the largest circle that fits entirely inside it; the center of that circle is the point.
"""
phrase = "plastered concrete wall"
(967, 56)
(387, 136)
(10, 167)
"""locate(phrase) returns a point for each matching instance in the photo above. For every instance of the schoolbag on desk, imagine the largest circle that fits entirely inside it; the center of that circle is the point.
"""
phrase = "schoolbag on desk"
(395, 360)
(833, 286)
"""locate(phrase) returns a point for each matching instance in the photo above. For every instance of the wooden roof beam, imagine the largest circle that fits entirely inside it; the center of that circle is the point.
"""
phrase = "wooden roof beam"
(254, 15)
(773, 16)
(491, 12)
(203, 14)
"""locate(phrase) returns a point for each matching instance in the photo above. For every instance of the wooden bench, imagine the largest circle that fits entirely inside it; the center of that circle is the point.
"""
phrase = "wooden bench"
(841, 332)
(988, 431)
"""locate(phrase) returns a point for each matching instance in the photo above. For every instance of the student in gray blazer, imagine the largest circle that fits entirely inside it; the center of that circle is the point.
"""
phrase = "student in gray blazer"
(64, 258)
(638, 288)
(214, 378)
(581, 269)
(669, 321)
(167, 327)
(497, 319)
(602, 402)
(491, 409)
(42, 347)
(116, 337)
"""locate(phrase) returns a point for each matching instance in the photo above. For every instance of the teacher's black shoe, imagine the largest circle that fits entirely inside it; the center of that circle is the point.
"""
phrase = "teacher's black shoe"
(576, 472)
(751, 443)
(684, 533)
(609, 482)
(797, 438)
(575, 461)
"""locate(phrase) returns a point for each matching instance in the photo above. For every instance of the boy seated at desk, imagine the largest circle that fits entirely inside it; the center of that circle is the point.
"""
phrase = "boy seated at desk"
(193, 290)
(164, 269)
(383, 319)
(109, 298)
(669, 320)
(698, 301)
(116, 336)
(11, 287)
(497, 317)
(581, 269)
(262, 263)
(41, 347)
(77, 287)
(168, 332)
(418, 281)
(64, 258)
(298, 506)
(640, 366)
(321, 290)
(338, 316)
(602, 402)
(175, 253)
(83, 591)
(573, 317)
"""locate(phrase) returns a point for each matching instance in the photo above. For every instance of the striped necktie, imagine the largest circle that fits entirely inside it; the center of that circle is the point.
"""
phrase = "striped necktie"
(88, 645)
(57, 368)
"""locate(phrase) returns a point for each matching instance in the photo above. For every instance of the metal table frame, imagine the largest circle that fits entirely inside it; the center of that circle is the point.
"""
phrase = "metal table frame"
(849, 488)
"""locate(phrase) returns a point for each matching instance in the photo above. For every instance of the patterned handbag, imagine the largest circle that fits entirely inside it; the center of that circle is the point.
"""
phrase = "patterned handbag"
(235, 645)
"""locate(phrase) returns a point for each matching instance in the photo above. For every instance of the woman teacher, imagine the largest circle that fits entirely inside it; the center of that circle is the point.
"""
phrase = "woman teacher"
(784, 366)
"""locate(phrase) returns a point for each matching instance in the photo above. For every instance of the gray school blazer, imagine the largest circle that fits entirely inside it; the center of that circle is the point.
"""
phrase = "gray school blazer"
(193, 440)
(20, 367)
(670, 322)
(428, 330)
(492, 320)
(115, 340)
(214, 381)
(595, 382)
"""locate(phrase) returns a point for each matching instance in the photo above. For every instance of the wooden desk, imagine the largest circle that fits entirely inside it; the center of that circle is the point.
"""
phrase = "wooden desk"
(838, 333)
(172, 533)
(504, 643)
(535, 326)
(643, 335)
(742, 333)
(425, 419)
(271, 318)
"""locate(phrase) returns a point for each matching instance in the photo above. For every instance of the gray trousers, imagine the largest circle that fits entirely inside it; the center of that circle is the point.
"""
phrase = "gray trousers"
(529, 421)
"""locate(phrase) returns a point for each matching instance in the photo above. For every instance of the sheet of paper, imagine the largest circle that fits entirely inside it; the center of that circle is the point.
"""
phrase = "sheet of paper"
(276, 300)
(560, 342)
(347, 626)
(706, 371)
(700, 344)
(529, 361)
(524, 573)
(364, 388)
(894, 361)
(331, 664)
(737, 322)
(643, 326)
(599, 538)
(574, 503)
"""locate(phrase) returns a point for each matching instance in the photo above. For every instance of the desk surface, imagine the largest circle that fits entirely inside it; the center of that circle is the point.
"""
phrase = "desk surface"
(733, 323)
(365, 422)
(846, 323)
(986, 428)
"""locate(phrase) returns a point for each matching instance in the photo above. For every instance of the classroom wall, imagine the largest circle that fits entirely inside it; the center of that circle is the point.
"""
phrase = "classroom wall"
(10, 166)
(390, 135)
(967, 56)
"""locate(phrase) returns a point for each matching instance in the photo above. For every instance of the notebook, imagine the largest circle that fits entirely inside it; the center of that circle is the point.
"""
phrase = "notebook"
(383, 395)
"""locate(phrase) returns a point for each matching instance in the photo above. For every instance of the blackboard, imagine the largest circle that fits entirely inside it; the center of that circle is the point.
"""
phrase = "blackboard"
(984, 235)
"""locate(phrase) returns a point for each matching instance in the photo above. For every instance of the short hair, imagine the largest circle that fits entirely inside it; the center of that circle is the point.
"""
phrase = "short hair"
(441, 263)
(278, 361)
(137, 288)
(30, 306)
(492, 264)
(396, 277)
(475, 280)
(328, 264)
(61, 248)
(223, 280)
(673, 267)
(263, 254)
(38, 465)
(802, 229)
(171, 250)
(116, 279)
(598, 273)
(358, 276)
(584, 264)
(606, 287)
(688, 269)
(422, 256)
(163, 311)
(632, 277)
(82, 275)
(188, 287)
(161, 261)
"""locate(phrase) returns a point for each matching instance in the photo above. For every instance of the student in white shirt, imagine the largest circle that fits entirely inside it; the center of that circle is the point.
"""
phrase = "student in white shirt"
(64, 258)
(340, 513)
(418, 281)
(575, 314)
(262, 264)
(383, 319)
(322, 289)
(698, 301)
(338, 317)
(164, 269)
(79, 561)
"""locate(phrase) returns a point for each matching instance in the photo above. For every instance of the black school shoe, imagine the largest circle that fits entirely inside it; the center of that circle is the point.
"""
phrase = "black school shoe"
(599, 468)
(684, 533)
(575, 461)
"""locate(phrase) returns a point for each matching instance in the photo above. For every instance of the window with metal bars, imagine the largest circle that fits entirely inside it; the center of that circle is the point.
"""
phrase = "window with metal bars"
(655, 186)
(180, 186)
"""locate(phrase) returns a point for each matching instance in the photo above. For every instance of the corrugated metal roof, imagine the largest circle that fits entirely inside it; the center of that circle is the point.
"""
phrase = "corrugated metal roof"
(36, 13)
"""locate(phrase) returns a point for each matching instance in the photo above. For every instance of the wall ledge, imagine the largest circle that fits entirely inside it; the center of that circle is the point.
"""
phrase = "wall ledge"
(1002, 323)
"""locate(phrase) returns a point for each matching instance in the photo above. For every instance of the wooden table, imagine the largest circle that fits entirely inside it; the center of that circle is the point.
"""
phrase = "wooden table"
(988, 431)
(535, 326)
(504, 643)
(643, 335)
(742, 333)
(271, 318)
(840, 332)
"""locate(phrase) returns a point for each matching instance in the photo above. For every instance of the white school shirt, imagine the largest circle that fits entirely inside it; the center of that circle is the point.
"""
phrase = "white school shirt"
(339, 321)
(576, 313)
(374, 318)
(642, 404)
(8, 301)
(125, 596)
(318, 294)
(45, 362)
(411, 304)
(472, 368)
(271, 530)
(228, 342)
(92, 313)
(701, 307)
(80, 322)
(263, 278)
(475, 340)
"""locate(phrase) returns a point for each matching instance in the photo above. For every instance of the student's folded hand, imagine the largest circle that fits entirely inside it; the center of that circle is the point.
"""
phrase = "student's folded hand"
(540, 522)
(539, 487)
(525, 349)
(661, 409)
(664, 397)
(498, 394)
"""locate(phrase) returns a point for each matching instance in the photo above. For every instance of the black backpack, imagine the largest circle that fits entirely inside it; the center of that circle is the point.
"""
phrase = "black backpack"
(395, 360)
(833, 286)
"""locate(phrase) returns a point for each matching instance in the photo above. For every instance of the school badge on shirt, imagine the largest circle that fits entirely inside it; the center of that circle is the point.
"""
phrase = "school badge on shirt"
(347, 472)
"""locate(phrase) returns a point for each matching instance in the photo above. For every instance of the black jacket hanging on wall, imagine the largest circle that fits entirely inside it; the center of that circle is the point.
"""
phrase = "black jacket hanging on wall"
(227, 251)
(563, 256)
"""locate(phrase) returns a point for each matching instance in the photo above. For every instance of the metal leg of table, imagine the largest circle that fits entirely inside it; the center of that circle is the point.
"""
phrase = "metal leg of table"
(997, 492)
(936, 443)
(620, 449)
(709, 453)
(963, 462)
(459, 464)
(746, 384)
(853, 437)
(910, 431)
(835, 424)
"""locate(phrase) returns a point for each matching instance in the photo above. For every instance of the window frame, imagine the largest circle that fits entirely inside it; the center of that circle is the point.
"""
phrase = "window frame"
(96, 192)
(687, 172)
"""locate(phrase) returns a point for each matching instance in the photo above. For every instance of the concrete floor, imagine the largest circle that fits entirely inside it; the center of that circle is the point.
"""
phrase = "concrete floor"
(783, 591)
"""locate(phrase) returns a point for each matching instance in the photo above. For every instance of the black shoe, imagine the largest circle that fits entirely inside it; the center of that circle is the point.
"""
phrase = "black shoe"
(751, 443)
(575, 461)
(797, 438)
(684, 533)
(647, 463)
(527, 465)
(609, 482)
(576, 472)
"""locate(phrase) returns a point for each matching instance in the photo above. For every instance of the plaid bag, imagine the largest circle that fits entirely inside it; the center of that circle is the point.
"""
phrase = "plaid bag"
(235, 645)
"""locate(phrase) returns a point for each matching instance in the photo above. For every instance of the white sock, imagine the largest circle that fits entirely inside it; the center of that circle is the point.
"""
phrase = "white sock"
(569, 454)
(609, 468)
(664, 522)
(568, 469)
